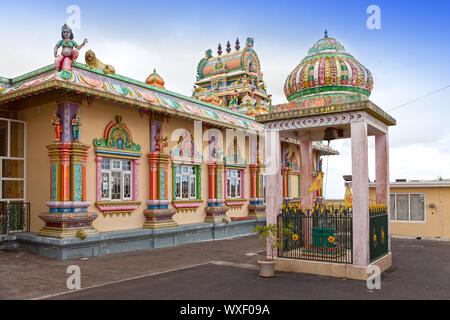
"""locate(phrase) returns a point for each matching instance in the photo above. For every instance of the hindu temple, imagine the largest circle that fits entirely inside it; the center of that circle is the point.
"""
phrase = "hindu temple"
(94, 162)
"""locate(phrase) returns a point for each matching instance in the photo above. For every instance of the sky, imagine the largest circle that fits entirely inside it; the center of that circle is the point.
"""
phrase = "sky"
(407, 56)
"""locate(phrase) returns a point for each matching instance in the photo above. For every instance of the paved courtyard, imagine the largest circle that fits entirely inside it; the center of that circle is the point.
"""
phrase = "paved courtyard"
(223, 269)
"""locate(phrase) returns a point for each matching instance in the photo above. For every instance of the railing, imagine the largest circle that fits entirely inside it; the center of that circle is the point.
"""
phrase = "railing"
(320, 233)
(378, 227)
(14, 217)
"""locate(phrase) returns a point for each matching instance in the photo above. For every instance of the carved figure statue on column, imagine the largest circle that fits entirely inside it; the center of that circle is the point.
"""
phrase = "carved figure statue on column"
(69, 51)
(76, 126)
(161, 142)
(56, 121)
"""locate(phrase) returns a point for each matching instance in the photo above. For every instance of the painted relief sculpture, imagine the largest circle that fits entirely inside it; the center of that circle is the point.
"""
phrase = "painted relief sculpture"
(93, 62)
(70, 48)
(76, 126)
(161, 142)
(56, 121)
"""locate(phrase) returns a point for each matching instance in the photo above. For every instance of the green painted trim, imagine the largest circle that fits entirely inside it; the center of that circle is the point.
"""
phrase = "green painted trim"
(320, 89)
(198, 178)
(327, 55)
(238, 166)
(33, 73)
(174, 184)
(5, 80)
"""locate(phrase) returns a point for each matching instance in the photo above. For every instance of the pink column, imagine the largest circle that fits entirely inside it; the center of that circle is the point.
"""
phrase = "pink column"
(135, 179)
(382, 175)
(99, 159)
(360, 186)
(243, 183)
(273, 178)
(306, 152)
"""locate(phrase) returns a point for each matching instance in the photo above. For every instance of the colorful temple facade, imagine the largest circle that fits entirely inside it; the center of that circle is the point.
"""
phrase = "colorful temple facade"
(96, 153)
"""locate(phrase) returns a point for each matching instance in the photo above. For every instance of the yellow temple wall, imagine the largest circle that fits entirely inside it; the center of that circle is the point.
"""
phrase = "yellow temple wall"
(94, 120)
(39, 133)
(437, 220)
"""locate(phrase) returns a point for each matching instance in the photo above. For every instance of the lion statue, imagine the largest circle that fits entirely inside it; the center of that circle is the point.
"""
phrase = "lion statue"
(93, 62)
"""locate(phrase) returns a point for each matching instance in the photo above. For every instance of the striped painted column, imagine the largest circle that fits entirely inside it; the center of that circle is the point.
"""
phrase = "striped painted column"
(284, 175)
(216, 209)
(256, 207)
(68, 215)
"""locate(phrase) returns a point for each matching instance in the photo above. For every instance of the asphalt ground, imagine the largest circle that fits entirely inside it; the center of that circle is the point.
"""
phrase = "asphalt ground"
(421, 270)
(221, 270)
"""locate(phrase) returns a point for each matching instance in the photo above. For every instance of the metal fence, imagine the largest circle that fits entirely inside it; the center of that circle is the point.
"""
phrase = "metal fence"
(14, 217)
(320, 233)
(378, 226)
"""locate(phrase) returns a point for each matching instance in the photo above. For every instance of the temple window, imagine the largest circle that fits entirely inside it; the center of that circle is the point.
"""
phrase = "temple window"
(235, 167)
(12, 160)
(185, 182)
(234, 184)
(117, 159)
(117, 179)
(186, 174)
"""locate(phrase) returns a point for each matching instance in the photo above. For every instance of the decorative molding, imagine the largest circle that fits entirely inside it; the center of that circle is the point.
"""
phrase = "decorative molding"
(117, 141)
(235, 202)
(317, 121)
(117, 207)
(187, 205)
(68, 96)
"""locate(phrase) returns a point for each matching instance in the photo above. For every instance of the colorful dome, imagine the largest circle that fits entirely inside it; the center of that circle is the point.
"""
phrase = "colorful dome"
(328, 68)
(155, 80)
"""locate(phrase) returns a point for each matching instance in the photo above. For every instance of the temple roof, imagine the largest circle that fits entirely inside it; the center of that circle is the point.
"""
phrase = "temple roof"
(94, 83)
(245, 60)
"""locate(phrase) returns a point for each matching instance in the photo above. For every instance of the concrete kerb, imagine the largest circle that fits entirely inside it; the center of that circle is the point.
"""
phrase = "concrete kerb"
(339, 270)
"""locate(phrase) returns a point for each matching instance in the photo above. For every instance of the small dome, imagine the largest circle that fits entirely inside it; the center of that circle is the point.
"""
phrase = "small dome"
(213, 99)
(155, 80)
(328, 68)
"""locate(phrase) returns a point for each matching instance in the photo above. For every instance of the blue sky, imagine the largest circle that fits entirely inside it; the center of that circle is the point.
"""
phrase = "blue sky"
(407, 56)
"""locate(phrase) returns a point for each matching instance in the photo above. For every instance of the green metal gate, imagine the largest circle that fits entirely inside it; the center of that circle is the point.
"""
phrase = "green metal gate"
(378, 234)
(14, 217)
